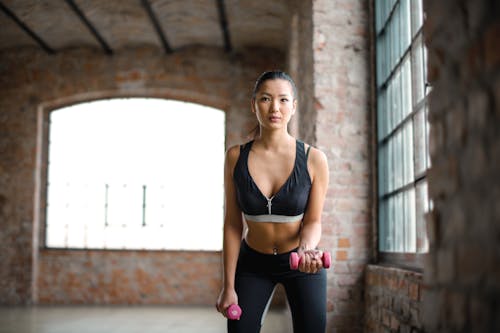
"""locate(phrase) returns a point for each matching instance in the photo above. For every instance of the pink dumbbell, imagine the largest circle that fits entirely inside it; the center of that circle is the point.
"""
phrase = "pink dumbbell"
(295, 260)
(233, 312)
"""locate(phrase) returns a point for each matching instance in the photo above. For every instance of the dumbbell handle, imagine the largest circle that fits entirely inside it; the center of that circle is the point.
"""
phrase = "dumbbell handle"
(326, 258)
(233, 312)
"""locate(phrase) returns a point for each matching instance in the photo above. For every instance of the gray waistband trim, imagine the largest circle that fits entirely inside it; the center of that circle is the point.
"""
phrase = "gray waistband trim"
(273, 218)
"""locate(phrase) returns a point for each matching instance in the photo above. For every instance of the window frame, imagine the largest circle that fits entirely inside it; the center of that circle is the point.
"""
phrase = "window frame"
(42, 180)
(407, 260)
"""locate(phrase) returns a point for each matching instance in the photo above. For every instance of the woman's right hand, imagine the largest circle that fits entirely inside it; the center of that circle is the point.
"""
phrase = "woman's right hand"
(310, 261)
(227, 297)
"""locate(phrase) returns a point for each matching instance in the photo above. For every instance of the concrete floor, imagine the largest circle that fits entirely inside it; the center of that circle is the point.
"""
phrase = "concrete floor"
(123, 319)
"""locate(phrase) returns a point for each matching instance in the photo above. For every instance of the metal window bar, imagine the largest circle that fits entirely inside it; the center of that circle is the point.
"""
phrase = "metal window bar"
(388, 16)
(397, 65)
(143, 205)
(106, 196)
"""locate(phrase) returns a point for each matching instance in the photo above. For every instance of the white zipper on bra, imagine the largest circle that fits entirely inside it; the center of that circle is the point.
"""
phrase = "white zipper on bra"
(269, 204)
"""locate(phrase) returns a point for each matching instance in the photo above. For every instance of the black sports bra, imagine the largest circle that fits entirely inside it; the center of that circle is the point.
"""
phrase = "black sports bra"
(287, 205)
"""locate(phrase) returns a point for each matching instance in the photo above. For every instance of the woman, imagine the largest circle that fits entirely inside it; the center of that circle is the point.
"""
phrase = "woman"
(276, 185)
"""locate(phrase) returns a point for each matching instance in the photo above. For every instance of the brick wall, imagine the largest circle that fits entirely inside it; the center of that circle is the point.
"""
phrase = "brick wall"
(393, 300)
(462, 274)
(339, 106)
(31, 83)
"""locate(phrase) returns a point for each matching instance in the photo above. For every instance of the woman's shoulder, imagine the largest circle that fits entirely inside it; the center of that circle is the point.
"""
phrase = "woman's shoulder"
(315, 155)
(312, 150)
(233, 152)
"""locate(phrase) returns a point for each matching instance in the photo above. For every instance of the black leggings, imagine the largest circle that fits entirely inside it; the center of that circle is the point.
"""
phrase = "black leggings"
(256, 277)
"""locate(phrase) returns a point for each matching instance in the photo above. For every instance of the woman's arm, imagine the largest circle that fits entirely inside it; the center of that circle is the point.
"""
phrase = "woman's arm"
(310, 233)
(233, 229)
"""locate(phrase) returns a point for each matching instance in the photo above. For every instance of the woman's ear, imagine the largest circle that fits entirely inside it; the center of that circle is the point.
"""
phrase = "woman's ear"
(294, 106)
(253, 105)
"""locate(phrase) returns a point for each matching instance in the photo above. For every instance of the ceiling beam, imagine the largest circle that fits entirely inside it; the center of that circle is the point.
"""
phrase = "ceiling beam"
(26, 29)
(89, 25)
(157, 26)
(223, 23)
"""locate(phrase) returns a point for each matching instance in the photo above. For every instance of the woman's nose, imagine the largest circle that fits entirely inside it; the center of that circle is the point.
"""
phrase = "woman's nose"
(275, 106)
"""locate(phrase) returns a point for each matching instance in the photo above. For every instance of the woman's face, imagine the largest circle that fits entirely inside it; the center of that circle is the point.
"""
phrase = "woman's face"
(274, 104)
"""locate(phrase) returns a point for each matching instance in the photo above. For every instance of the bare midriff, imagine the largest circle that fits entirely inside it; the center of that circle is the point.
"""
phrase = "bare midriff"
(273, 238)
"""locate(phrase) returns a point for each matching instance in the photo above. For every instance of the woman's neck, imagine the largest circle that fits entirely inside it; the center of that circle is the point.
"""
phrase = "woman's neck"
(274, 139)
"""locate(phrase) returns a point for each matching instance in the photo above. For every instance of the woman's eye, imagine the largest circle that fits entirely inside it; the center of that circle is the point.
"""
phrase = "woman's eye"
(265, 99)
(284, 100)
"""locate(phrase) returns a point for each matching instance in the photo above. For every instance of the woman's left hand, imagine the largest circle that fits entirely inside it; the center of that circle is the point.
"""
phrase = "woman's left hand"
(310, 261)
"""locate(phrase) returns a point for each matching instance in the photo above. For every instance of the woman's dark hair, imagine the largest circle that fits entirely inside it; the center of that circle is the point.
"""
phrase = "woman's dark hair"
(274, 75)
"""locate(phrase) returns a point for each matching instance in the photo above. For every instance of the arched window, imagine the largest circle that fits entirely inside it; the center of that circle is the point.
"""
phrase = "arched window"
(135, 174)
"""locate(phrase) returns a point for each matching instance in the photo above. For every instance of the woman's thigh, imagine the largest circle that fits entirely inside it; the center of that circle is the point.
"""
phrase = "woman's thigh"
(254, 293)
(306, 294)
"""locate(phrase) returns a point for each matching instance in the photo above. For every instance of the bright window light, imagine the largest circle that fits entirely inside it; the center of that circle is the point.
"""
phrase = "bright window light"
(402, 113)
(136, 174)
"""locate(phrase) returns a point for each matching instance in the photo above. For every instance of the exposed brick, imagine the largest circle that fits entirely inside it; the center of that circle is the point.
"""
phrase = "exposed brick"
(491, 46)
(341, 255)
(456, 125)
(496, 94)
(477, 12)
(479, 108)
(344, 242)
(394, 323)
(457, 310)
(480, 315)
(474, 162)
(414, 291)
(436, 138)
(432, 227)
(472, 263)
(443, 177)
(390, 299)
(454, 222)
(445, 265)
(460, 270)
(472, 63)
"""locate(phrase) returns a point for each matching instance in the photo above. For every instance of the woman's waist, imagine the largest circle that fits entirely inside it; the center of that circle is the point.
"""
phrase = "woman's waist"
(272, 245)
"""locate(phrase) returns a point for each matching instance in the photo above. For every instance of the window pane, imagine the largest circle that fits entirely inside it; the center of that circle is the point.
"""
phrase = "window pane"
(398, 223)
(392, 45)
(390, 107)
(379, 15)
(121, 196)
(406, 87)
(427, 128)
(419, 122)
(382, 227)
(416, 15)
(405, 23)
(381, 60)
(417, 67)
(421, 207)
(410, 230)
(396, 95)
(390, 165)
(402, 129)
(381, 115)
(398, 160)
(382, 170)
(408, 147)
(113, 176)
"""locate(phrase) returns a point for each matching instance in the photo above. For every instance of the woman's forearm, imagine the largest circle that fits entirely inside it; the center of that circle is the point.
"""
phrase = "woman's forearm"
(310, 235)
(232, 243)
